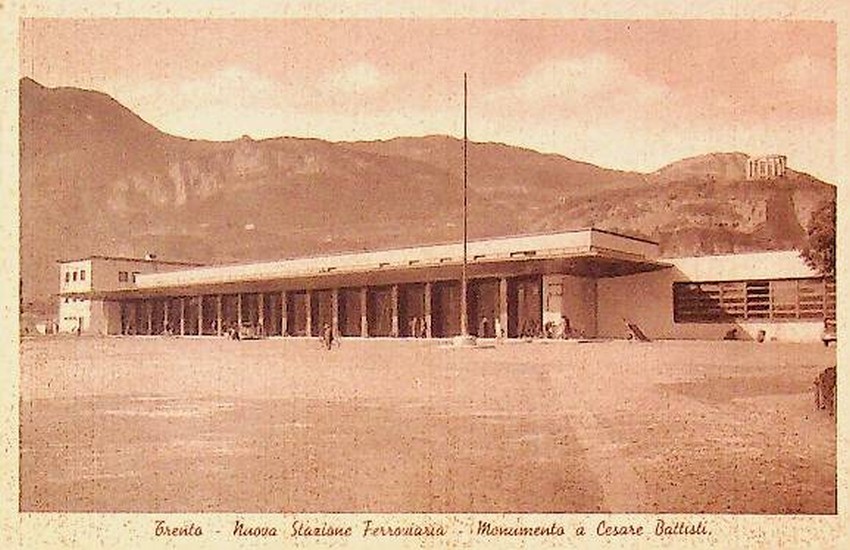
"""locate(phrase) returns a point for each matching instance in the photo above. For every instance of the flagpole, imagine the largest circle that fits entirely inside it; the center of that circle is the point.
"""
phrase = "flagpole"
(464, 321)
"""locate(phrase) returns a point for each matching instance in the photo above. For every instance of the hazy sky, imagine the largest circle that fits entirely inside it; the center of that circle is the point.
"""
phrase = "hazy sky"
(622, 94)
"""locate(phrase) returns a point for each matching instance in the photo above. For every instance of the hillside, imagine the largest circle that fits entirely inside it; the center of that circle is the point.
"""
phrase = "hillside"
(97, 179)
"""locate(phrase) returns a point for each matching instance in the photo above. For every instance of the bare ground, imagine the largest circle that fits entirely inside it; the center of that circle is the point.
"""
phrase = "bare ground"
(170, 424)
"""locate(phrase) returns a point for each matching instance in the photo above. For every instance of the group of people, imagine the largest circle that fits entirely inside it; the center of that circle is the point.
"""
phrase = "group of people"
(560, 330)
(247, 331)
(529, 328)
(416, 328)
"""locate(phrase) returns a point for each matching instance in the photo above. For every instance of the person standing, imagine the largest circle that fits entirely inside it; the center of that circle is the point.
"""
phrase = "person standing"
(327, 336)
(483, 327)
(565, 329)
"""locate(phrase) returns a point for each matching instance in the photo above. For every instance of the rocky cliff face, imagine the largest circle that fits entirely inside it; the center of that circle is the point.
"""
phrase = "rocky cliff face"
(96, 179)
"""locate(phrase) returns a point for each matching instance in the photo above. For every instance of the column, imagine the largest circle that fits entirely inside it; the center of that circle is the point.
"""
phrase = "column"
(200, 315)
(218, 314)
(284, 312)
(335, 311)
(122, 311)
(131, 318)
(182, 316)
(503, 307)
(394, 331)
(261, 313)
(797, 298)
(166, 303)
(309, 302)
(464, 307)
(364, 312)
(427, 310)
(239, 310)
(149, 312)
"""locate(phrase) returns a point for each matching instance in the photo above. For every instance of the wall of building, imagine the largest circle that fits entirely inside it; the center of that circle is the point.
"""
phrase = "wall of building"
(75, 276)
(107, 272)
(579, 305)
(73, 313)
(647, 298)
(105, 318)
(571, 297)
(103, 274)
(553, 291)
(784, 264)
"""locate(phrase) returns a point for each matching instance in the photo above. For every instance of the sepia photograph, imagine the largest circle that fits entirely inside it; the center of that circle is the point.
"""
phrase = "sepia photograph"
(428, 266)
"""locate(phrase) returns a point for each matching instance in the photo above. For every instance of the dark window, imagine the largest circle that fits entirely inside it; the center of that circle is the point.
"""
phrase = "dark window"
(776, 300)
(135, 274)
(82, 274)
(75, 276)
(122, 276)
(67, 276)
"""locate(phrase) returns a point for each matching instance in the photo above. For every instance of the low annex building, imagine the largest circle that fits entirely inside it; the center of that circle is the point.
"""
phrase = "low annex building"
(595, 281)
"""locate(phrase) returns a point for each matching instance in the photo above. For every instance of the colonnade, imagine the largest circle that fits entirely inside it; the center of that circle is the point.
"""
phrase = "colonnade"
(422, 309)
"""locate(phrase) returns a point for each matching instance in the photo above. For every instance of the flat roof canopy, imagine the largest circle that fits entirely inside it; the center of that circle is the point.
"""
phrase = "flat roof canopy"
(586, 253)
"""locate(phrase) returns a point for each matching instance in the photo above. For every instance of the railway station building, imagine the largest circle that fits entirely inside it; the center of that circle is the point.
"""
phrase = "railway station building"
(595, 281)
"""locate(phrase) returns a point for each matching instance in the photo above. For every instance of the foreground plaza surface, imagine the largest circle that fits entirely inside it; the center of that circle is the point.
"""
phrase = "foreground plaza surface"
(161, 424)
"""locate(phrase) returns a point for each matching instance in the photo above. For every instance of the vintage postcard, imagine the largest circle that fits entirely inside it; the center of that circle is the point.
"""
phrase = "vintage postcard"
(415, 277)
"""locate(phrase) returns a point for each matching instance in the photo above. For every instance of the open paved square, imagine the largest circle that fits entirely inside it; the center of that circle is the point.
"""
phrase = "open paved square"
(162, 424)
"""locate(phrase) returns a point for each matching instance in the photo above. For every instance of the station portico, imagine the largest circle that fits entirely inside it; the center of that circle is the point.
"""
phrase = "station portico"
(515, 286)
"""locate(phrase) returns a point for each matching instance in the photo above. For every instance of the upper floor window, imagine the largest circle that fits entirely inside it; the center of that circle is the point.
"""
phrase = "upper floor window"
(75, 276)
(67, 276)
(135, 274)
(82, 274)
(122, 276)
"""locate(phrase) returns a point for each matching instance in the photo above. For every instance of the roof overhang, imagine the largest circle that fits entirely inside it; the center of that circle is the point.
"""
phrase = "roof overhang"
(584, 253)
(594, 264)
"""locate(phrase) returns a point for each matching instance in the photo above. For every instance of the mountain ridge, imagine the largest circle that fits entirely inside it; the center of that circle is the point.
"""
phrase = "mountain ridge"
(98, 179)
